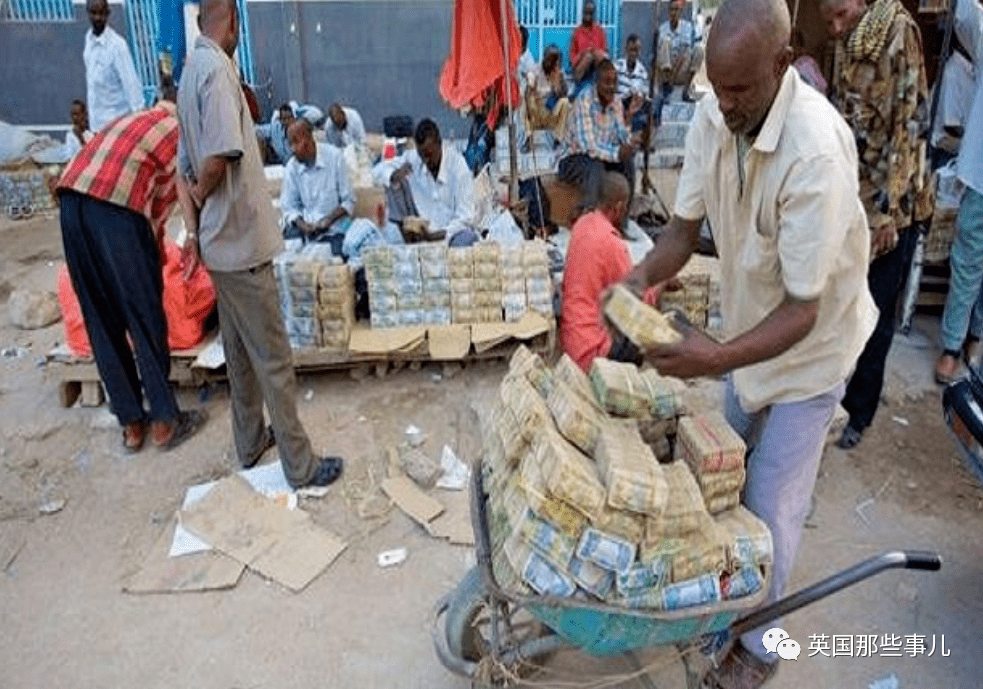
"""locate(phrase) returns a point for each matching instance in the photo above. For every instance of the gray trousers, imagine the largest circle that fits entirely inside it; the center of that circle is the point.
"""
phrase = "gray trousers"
(261, 369)
(786, 444)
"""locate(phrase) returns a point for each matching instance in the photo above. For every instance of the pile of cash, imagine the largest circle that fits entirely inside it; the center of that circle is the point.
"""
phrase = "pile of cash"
(383, 293)
(297, 281)
(460, 267)
(336, 305)
(513, 282)
(644, 326)
(487, 282)
(715, 453)
(625, 390)
(574, 514)
(436, 283)
(539, 283)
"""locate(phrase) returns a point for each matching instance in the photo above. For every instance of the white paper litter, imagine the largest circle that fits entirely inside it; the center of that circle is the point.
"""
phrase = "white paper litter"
(212, 356)
(391, 558)
(267, 479)
(456, 472)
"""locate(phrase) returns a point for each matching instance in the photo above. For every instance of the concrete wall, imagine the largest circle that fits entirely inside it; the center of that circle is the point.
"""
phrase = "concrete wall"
(41, 68)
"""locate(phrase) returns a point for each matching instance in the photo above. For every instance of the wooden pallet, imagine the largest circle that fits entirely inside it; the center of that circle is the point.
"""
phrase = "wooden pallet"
(79, 381)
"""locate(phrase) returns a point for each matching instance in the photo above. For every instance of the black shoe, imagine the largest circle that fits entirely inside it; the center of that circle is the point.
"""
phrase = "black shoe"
(269, 440)
(327, 472)
(850, 439)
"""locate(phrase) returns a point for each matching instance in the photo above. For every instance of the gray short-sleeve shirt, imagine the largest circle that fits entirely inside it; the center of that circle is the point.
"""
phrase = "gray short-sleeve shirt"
(237, 228)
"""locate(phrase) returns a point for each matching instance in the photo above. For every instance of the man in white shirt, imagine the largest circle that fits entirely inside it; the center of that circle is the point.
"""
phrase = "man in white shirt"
(679, 52)
(344, 126)
(633, 81)
(527, 63)
(112, 86)
(962, 319)
(431, 181)
(316, 198)
(79, 135)
(773, 167)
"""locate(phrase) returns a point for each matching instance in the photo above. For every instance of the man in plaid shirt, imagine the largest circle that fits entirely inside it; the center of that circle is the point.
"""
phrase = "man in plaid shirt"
(597, 138)
(115, 197)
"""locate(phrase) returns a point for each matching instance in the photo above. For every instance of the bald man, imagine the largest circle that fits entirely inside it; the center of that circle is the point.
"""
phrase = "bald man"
(774, 169)
(237, 237)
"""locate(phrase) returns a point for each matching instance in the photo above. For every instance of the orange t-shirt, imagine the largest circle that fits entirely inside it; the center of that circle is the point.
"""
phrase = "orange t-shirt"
(596, 259)
(584, 38)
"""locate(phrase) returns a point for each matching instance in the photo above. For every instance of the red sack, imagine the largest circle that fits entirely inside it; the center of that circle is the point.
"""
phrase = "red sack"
(186, 305)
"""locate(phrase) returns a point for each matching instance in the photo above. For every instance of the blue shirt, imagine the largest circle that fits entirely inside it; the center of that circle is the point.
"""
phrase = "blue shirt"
(312, 192)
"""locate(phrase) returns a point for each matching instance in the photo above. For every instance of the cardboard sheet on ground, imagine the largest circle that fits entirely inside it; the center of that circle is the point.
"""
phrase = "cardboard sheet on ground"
(449, 342)
(454, 523)
(412, 500)
(487, 335)
(386, 340)
(196, 572)
(281, 544)
(267, 479)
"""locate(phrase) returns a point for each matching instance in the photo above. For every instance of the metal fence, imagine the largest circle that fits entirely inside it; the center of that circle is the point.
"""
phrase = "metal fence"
(554, 21)
(38, 10)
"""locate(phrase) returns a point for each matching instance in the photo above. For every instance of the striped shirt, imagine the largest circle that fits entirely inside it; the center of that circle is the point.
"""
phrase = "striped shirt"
(595, 130)
(131, 163)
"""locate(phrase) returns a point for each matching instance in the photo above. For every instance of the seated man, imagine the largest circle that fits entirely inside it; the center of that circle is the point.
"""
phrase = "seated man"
(273, 136)
(344, 126)
(432, 182)
(633, 81)
(546, 98)
(79, 135)
(596, 259)
(679, 51)
(588, 47)
(317, 198)
(597, 139)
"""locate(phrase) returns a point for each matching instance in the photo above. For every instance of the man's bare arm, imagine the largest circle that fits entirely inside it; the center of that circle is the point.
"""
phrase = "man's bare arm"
(212, 174)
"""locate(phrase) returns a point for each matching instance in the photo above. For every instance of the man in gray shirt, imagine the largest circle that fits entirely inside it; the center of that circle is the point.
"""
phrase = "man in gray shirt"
(237, 238)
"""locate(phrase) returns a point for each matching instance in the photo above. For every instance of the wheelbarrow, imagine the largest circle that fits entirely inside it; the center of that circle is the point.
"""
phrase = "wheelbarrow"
(489, 635)
(962, 406)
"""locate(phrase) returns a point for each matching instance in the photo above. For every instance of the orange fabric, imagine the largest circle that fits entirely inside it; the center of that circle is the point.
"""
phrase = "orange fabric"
(476, 61)
(186, 305)
(584, 38)
(596, 259)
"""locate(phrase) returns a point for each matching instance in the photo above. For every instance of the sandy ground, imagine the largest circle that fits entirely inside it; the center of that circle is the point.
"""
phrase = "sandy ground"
(64, 620)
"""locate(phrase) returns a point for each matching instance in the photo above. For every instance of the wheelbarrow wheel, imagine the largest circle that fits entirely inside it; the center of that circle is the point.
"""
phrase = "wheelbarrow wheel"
(466, 605)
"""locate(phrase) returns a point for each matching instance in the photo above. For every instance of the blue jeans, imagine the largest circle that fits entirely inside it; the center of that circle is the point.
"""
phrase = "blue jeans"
(785, 444)
(964, 306)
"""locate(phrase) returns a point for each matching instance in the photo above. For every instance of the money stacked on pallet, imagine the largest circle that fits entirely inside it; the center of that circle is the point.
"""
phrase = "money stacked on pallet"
(409, 285)
(610, 522)
(383, 291)
(513, 282)
(715, 453)
(297, 284)
(336, 305)
(436, 283)
(487, 282)
(460, 266)
(539, 283)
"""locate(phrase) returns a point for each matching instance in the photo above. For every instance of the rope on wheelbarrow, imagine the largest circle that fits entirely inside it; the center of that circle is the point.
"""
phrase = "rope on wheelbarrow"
(490, 667)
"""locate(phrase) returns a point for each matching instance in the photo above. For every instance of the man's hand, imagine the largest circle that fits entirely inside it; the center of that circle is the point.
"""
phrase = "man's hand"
(636, 103)
(305, 227)
(697, 355)
(626, 151)
(400, 174)
(883, 240)
(190, 259)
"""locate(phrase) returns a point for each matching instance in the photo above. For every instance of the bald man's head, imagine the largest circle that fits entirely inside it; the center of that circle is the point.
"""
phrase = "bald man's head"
(747, 55)
(219, 20)
(613, 202)
(300, 134)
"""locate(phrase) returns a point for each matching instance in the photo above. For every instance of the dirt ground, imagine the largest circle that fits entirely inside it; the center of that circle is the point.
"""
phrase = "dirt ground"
(64, 620)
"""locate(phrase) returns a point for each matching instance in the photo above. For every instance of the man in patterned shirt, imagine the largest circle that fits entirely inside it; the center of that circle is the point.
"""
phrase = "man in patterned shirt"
(115, 197)
(597, 138)
(879, 86)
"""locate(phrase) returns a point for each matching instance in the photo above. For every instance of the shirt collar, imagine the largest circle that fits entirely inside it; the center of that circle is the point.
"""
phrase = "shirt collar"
(771, 130)
(102, 38)
(441, 172)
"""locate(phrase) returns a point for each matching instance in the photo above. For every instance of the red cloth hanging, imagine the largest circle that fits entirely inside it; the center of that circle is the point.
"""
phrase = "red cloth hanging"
(475, 66)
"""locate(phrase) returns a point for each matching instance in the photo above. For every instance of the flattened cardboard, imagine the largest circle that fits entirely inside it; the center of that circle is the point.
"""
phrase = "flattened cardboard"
(530, 325)
(417, 504)
(455, 522)
(487, 335)
(449, 342)
(385, 340)
(196, 572)
(281, 544)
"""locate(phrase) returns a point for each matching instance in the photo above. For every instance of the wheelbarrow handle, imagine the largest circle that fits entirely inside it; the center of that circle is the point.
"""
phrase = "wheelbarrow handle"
(898, 559)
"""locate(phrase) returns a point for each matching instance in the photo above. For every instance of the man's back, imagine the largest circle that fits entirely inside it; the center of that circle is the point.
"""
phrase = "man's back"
(237, 229)
(596, 259)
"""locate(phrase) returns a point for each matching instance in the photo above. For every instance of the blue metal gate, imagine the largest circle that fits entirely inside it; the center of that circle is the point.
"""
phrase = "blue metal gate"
(554, 21)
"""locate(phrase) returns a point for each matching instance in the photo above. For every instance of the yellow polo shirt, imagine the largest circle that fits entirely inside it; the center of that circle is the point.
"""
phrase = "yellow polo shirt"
(795, 225)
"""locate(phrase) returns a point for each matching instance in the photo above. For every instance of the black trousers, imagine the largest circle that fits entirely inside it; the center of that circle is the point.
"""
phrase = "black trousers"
(114, 262)
(886, 278)
(585, 172)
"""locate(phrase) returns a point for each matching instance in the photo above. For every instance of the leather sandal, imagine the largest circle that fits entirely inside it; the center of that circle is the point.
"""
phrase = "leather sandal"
(740, 669)
(134, 435)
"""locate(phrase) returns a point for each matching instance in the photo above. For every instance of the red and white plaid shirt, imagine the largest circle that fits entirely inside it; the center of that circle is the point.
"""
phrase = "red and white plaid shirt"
(131, 163)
